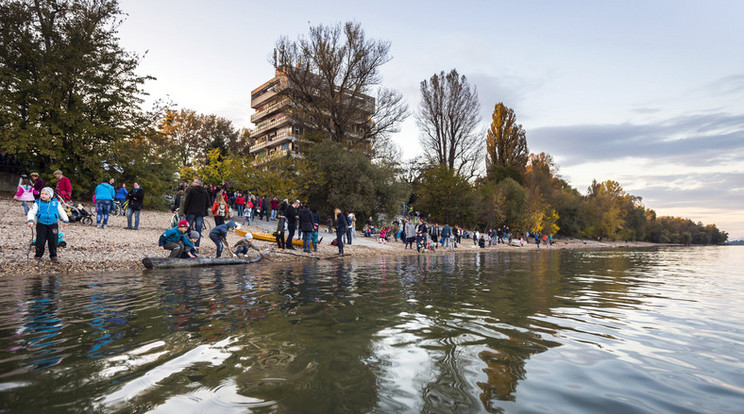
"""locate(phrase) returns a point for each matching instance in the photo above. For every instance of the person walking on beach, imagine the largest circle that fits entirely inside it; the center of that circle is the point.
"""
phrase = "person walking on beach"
(38, 184)
(104, 194)
(25, 193)
(341, 226)
(136, 200)
(47, 212)
(196, 205)
(351, 223)
(64, 187)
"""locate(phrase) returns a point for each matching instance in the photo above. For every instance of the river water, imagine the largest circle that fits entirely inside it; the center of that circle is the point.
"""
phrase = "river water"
(602, 331)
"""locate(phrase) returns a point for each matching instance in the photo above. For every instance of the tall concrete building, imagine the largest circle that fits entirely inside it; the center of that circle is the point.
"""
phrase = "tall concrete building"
(275, 135)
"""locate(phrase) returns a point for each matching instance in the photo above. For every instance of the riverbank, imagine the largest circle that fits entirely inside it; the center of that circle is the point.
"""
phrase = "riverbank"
(91, 249)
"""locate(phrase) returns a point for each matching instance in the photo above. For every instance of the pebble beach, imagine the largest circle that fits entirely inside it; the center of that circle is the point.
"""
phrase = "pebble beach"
(91, 249)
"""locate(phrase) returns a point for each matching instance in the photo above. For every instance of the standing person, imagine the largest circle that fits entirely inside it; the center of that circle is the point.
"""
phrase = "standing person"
(136, 200)
(104, 199)
(292, 216)
(47, 212)
(248, 210)
(421, 235)
(220, 209)
(434, 233)
(446, 233)
(196, 205)
(410, 231)
(25, 193)
(38, 184)
(260, 207)
(350, 229)
(342, 225)
(316, 228)
(64, 187)
(306, 226)
(219, 235)
(266, 208)
(281, 227)
(274, 207)
(396, 229)
(121, 194)
(240, 203)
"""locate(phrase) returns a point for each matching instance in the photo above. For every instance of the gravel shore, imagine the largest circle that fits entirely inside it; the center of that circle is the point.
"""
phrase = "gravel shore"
(115, 248)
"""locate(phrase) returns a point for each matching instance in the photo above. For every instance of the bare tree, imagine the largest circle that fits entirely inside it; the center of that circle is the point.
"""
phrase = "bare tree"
(330, 77)
(506, 141)
(448, 117)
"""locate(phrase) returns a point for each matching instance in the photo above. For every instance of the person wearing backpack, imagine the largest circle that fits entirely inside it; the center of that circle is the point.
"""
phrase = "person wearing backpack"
(46, 212)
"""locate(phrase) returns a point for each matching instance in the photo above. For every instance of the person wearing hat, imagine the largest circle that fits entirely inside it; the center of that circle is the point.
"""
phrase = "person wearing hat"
(219, 235)
(190, 253)
(244, 244)
(64, 187)
(47, 212)
(38, 184)
(176, 240)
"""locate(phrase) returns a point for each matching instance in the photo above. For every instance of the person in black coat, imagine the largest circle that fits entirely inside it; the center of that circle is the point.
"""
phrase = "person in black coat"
(136, 198)
(291, 216)
(341, 227)
(306, 227)
(196, 205)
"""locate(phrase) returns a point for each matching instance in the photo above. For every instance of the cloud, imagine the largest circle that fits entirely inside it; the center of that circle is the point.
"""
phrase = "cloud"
(727, 85)
(694, 140)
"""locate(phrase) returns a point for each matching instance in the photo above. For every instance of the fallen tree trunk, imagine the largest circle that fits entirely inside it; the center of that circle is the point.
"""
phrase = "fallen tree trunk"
(170, 263)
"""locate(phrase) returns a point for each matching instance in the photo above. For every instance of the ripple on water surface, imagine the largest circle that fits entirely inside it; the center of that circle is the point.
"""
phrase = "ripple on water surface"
(655, 330)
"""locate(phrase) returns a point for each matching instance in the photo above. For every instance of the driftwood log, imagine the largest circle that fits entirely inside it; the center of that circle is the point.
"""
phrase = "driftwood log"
(170, 263)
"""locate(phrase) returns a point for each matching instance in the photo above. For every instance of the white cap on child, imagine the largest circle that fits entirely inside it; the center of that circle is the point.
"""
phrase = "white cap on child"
(248, 236)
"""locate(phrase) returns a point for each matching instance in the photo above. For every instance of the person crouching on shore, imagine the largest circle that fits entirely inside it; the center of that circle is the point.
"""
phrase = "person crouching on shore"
(244, 244)
(219, 235)
(47, 212)
(176, 240)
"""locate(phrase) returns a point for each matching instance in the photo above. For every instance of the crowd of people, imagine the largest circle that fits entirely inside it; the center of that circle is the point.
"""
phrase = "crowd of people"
(193, 202)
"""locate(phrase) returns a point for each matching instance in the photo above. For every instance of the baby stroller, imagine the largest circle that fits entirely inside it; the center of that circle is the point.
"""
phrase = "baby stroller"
(78, 213)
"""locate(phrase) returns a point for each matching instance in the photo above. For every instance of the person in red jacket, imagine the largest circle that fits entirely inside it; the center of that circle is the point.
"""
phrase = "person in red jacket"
(240, 202)
(64, 187)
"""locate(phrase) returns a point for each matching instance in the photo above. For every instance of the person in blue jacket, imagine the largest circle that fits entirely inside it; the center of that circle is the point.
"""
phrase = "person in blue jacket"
(219, 235)
(176, 240)
(47, 211)
(104, 200)
(121, 193)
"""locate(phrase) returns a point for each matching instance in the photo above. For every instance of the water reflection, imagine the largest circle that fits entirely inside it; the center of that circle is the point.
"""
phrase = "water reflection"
(541, 331)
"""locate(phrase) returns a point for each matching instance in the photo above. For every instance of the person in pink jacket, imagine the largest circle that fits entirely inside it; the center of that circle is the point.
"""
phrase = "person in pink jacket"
(25, 193)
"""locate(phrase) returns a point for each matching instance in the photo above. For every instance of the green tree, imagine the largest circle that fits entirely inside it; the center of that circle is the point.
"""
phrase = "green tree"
(604, 209)
(70, 93)
(350, 181)
(194, 135)
(506, 144)
(445, 196)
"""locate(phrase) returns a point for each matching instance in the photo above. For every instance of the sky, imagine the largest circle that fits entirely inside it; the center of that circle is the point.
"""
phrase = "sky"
(646, 93)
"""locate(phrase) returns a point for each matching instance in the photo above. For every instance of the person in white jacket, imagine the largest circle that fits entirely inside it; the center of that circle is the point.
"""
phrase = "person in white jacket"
(47, 211)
